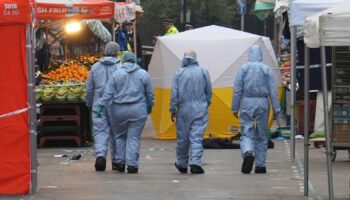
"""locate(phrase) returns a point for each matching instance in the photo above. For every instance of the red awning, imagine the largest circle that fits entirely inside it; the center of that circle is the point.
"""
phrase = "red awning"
(74, 9)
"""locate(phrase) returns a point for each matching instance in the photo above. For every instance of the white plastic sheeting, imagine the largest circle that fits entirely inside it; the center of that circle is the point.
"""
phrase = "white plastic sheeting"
(98, 29)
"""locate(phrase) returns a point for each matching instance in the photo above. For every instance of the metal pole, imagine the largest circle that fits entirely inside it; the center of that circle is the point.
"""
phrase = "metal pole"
(184, 10)
(32, 110)
(275, 35)
(306, 119)
(207, 8)
(113, 29)
(293, 92)
(242, 22)
(326, 123)
(135, 38)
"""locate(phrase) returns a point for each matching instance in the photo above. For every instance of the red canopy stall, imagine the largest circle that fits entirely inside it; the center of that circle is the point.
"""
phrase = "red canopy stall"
(15, 164)
(78, 9)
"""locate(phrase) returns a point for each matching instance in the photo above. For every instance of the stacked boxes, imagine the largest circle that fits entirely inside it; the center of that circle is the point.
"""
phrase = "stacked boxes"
(341, 97)
(60, 122)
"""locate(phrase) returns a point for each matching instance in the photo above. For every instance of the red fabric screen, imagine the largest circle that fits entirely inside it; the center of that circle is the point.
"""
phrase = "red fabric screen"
(14, 130)
(14, 11)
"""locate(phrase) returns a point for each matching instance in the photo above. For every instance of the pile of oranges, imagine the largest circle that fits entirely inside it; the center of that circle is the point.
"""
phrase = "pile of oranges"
(71, 72)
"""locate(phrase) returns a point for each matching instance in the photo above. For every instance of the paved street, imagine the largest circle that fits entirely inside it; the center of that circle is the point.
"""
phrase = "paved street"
(64, 179)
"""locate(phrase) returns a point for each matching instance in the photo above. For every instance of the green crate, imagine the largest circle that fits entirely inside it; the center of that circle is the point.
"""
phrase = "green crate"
(284, 132)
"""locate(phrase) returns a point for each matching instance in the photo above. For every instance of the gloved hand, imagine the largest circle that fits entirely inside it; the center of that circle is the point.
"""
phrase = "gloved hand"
(139, 60)
(149, 110)
(99, 111)
(173, 116)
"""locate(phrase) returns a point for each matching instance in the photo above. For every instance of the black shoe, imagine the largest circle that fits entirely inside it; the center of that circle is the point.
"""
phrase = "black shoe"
(100, 164)
(181, 169)
(132, 170)
(114, 166)
(195, 169)
(118, 167)
(248, 162)
(260, 170)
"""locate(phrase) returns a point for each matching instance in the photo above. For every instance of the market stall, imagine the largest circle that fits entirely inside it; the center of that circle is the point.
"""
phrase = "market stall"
(18, 168)
(61, 92)
(299, 10)
(330, 28)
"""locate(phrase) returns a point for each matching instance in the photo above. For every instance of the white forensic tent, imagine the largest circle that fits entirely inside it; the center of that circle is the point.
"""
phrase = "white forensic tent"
(221, 51)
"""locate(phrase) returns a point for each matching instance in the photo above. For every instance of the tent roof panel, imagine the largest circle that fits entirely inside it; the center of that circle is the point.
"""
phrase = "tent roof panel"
(335, 28)
(300, 9)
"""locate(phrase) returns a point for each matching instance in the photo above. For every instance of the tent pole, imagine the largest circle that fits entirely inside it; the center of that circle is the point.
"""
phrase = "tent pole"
(306, 119)
(32, 110)
(326, 123)
(275, 35)
(113, 29)
(135, 38)
(293, 91)
(242, 22)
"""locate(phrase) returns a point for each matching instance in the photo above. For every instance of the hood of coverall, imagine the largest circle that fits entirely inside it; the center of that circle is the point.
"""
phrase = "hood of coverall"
(130, 67)
(255, 54)
(109, 60)
(187, 61)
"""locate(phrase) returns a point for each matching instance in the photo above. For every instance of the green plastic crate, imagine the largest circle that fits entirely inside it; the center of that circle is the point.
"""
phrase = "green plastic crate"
(284, 132)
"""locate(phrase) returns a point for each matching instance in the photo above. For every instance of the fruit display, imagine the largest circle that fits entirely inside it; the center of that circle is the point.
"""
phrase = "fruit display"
(61, 91)
(71, 72)
(285, 69)
(87, 61)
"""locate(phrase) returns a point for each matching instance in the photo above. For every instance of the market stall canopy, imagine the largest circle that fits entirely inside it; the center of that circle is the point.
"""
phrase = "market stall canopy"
(300, 9)
(281, 6)
(221, 51)
(335, 29)
(334, 26)
(263, 8)
(15, 11)
(76, 9)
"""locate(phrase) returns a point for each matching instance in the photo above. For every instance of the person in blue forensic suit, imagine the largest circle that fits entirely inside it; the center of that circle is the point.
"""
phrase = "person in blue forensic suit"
(254, 89)
(99, 75)
(191, 94)
(130, 90)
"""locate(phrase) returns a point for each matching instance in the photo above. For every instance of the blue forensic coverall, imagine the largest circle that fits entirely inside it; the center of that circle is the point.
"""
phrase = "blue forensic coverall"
(191, 94)
(254, 89)
(99, 75)
(131, 91)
